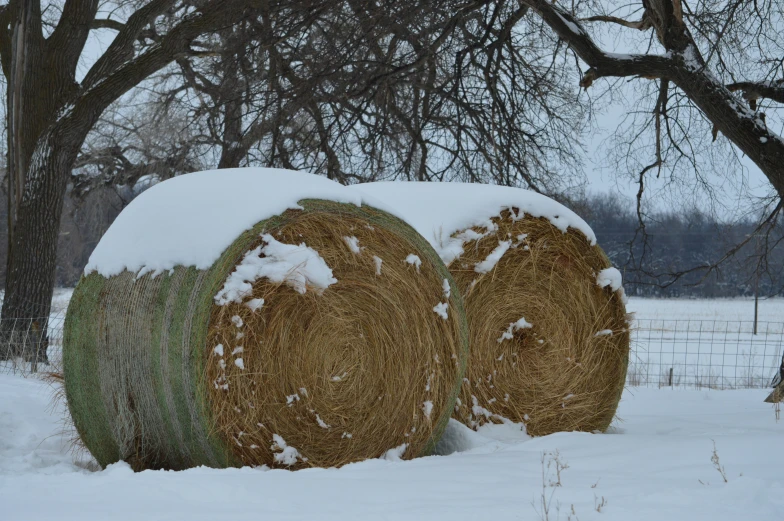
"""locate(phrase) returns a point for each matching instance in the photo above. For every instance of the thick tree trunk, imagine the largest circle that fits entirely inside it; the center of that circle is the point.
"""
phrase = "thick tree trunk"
(31, 269)
(37, 86)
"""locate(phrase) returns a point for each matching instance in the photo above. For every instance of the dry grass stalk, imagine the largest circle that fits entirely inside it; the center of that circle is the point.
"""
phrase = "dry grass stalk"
(557, 375)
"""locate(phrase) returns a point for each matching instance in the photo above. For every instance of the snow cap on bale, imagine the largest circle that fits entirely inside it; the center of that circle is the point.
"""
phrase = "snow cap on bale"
(547, 322)
(261, 317)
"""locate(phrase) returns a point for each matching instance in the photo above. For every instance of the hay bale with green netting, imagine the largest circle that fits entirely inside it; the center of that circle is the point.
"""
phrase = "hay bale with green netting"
(548, 328)
(261, 317)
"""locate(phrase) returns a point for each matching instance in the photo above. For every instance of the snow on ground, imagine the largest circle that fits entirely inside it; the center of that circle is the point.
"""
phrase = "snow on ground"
(655, 465)
(770, 310)
(705, 343)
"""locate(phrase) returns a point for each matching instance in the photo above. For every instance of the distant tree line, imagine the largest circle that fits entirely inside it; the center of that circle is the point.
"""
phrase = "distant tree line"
(685, 253)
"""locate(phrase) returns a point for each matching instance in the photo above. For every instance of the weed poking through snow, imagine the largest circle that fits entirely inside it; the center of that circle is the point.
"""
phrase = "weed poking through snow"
(717, 464)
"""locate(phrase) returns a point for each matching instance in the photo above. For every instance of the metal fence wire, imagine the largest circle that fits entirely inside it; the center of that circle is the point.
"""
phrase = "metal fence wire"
(31, 352)
(705, 353)
(712, 354)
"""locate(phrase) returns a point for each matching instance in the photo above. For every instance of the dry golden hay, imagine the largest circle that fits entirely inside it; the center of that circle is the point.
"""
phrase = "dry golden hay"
(549, 346)
(159, 374)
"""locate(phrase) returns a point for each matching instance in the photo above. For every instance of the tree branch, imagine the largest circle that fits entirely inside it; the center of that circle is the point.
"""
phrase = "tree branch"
(752, 91)
(684, 66)
(640, 25)
(601, 64)
(130, 72)
(70, 35)
(101, 23)
(121, 50)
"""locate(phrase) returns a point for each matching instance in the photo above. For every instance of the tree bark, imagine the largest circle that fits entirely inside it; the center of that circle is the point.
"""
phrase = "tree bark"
(31, 268)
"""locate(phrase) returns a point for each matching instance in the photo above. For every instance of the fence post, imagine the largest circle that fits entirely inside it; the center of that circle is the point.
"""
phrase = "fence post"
(670, 381)
(756, 288)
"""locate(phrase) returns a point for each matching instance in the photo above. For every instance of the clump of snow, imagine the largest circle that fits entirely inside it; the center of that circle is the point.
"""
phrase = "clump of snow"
(445, 213)
(395, 454)
(378, 261)
(255, 303)
(514, 326)
(191, 219)
(414, 260)
(218, 349)
(489, 263)
(441, 310)
(478, 410)
(427, 408)
(347, 435)
(237, 320)
(239, 363)
(288, 455)
(447, 289)
(298, 266)
(604, 332)
(352, 243)
(322, 423)
(236, 350)
(520, 240)
(612, 277)
(290, 399)
(339, 378)
(571, 25)
(459, 438)
(609, 277)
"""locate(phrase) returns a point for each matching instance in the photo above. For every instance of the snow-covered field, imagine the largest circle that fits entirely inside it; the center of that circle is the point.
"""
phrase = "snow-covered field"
(655, 464)
(705, 343)
(734, 309)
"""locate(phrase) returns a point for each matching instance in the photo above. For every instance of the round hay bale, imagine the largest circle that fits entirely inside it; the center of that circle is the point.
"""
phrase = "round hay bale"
(548, 328)
(323, 333)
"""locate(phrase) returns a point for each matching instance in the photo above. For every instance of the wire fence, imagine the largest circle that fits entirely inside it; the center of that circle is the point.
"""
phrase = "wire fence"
(710, 354)
(713, 354)
(27, 350)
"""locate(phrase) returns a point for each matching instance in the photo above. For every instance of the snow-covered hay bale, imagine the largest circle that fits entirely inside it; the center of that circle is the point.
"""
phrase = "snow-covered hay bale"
(258, 317)
(548, 328)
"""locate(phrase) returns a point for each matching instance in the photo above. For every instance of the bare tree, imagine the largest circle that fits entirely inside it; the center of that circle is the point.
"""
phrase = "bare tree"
(691, 49)
(49, 115)
(135, 144)
(381, 90)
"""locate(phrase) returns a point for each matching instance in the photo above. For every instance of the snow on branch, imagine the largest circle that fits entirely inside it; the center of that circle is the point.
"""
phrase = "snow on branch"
(601, 64)
(752, 91)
